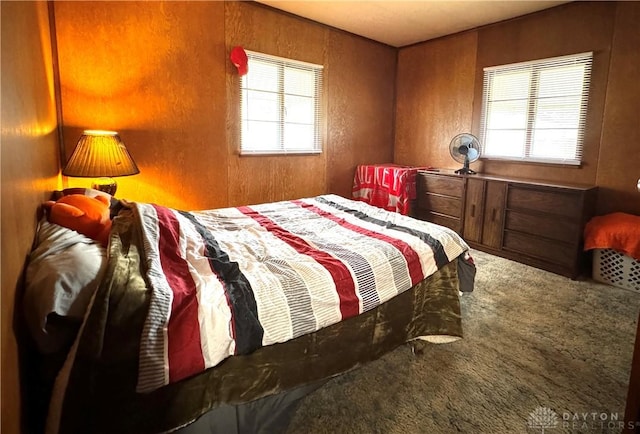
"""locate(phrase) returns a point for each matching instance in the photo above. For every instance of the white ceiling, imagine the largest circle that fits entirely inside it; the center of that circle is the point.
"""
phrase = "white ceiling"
(399, 22)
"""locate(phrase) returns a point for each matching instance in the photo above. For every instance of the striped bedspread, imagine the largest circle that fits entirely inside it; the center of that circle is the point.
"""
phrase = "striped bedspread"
(228, 281)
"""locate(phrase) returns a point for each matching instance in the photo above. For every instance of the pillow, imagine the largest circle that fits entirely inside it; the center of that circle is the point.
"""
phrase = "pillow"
(115, 203)
(64, 270)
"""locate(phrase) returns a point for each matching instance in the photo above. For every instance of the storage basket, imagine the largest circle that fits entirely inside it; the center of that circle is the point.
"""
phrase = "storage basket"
(617, 269)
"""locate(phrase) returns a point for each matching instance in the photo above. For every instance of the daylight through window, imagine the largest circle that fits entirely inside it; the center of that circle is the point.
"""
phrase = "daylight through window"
(281, 110)
(536, 111)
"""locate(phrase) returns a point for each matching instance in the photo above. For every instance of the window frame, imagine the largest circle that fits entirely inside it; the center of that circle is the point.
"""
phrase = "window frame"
(536, 67)
(317, 100)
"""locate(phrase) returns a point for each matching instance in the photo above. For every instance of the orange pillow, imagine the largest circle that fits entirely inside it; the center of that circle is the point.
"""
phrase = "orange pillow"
(86, 215)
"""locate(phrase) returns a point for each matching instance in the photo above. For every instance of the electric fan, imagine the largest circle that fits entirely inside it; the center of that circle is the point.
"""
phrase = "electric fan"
(465, 148)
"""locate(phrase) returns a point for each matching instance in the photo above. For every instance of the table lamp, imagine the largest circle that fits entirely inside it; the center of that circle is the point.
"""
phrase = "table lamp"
(100, 154)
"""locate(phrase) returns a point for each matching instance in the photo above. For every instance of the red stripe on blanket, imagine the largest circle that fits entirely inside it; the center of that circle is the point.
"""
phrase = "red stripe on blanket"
(345, 286)
(410, 255)
(183, 332)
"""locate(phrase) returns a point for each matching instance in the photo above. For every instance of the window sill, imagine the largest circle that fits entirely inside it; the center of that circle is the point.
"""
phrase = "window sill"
(533, 163)
(279, 154)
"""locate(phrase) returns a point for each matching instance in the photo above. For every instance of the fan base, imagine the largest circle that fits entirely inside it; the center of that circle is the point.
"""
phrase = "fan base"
(465, 171)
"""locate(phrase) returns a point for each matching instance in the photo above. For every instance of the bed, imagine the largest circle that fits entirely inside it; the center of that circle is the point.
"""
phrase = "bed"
(247, 308)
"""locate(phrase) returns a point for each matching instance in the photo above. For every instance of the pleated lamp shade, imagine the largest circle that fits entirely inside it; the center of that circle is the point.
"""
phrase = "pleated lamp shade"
(100, 154)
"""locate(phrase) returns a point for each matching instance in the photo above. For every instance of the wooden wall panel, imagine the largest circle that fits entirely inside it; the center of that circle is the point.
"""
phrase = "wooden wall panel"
(435, 85)
(29, 168)
(167, 85)
(257, 179)
(567, 29)
(606, 28)
(361, 92)
(155, 72)
(619, 157)
(359, 101)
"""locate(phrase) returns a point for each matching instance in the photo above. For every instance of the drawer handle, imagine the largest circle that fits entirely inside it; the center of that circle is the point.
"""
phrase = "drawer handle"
(493, 215)
(473, 210)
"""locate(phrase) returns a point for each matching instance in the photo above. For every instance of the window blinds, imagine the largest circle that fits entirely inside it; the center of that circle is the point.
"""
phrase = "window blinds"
(281, 106)
(536, 111)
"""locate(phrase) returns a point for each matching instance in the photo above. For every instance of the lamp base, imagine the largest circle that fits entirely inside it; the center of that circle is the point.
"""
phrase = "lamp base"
(108, 185)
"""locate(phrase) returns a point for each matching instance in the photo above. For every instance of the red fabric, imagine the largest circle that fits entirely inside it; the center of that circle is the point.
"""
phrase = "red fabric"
(345, 285)
(618, 231)
(183, 330)
(413, 260)
(387, 186)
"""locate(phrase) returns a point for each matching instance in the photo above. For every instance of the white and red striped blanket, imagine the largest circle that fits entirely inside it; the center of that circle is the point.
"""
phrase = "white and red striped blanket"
(231, 280)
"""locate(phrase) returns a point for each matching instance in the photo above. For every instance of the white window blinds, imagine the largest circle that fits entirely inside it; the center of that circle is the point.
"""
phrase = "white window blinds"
(281, 106)
(536, 111)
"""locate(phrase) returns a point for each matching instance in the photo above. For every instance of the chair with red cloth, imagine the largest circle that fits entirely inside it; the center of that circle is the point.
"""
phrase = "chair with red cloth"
(388, 186)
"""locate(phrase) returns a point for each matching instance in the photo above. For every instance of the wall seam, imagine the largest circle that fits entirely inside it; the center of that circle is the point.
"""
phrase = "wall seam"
(56, 82)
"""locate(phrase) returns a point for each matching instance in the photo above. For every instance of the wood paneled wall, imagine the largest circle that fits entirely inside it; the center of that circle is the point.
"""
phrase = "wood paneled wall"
(437, 101)
(270, 178)
(434, 87)
(29, 167)
(358, 104)
(159, 73)
(568, 29)
(619, 156)
(155, 72)
(361, 105)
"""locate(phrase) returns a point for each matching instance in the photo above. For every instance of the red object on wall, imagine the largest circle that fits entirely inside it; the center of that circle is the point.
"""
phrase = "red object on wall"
(387, 186)
(239, 59)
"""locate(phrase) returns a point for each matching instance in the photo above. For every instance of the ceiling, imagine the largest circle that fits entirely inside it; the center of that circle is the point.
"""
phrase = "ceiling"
(399, 23)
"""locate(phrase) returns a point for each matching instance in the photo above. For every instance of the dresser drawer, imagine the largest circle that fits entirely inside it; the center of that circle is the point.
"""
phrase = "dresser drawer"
(544, 226)
(548, 250)
(450, 206)
(558, 202)
(445, 185)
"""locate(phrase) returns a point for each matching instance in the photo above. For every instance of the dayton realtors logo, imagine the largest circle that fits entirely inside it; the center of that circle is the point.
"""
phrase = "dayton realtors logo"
(542, 418)
(593, 421)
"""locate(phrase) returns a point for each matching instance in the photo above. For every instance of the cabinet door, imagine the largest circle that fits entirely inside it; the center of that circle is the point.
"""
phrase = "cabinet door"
(493, 214)
(474, 210)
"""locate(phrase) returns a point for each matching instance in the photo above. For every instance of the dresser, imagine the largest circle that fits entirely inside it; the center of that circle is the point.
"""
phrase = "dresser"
(534, 222)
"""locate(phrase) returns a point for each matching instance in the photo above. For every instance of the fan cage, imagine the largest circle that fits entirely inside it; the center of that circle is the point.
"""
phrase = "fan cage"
(458, 140)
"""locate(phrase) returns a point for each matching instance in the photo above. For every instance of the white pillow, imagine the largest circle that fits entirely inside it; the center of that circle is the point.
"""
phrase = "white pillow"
(63, 272)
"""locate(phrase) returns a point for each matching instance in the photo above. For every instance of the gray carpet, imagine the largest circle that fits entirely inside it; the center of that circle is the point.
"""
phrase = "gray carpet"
(535, 342)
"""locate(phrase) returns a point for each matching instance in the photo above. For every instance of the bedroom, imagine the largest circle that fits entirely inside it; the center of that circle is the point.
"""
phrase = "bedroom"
(159, 74)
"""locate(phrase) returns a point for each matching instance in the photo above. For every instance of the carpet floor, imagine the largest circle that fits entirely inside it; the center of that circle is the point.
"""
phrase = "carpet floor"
(541, 353)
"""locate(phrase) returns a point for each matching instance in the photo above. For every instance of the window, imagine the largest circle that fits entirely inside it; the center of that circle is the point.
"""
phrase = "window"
(281, 111)
(536, 111)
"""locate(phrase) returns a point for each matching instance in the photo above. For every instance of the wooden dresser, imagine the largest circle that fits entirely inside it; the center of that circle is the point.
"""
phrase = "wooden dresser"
(534, 222)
